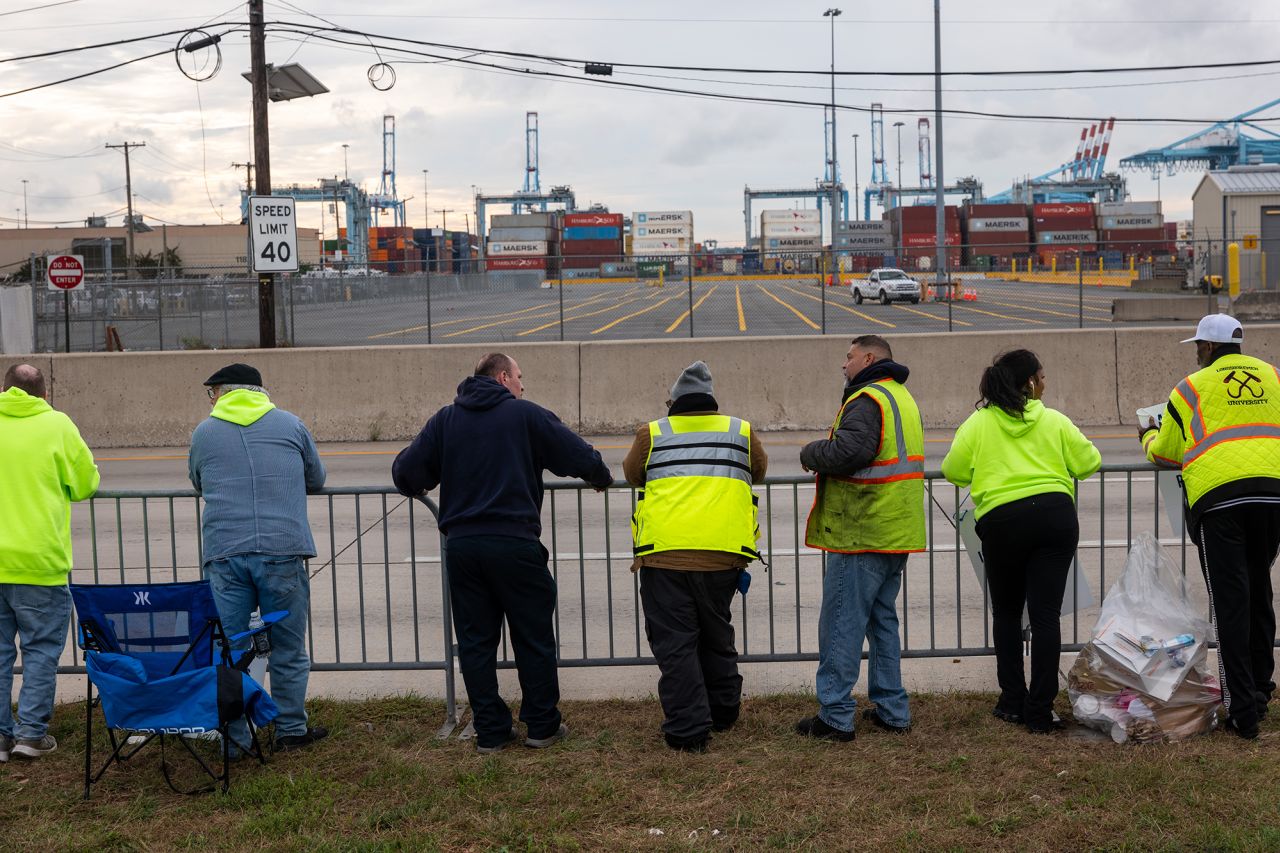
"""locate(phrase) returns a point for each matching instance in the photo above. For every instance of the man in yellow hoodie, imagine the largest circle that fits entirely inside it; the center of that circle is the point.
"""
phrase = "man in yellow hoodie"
(46, 466)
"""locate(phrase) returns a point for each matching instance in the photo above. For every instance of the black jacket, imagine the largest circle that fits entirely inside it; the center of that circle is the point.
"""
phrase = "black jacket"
(857, 438)
(487, 452)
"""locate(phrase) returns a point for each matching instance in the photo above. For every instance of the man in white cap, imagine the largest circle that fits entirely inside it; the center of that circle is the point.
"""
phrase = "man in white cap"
(694, 532)
(1221, 426)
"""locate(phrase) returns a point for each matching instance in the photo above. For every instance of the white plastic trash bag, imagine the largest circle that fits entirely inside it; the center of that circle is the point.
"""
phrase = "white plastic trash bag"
(1144, 673)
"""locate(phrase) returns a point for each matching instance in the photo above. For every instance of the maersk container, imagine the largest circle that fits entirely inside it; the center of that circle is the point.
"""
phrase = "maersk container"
(596, 232)
(1128, 208)
(523, 220)
(663, 229)
(1018, 224)
(1073, 238)
(662, 217)
(775, 216)
(1131, 221)
(532, 248)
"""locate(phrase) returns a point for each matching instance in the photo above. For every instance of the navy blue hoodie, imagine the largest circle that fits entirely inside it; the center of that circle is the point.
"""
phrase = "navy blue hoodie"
(487, 452)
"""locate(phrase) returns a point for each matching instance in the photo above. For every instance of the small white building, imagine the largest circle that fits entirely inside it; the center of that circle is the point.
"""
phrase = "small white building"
(1240, 205)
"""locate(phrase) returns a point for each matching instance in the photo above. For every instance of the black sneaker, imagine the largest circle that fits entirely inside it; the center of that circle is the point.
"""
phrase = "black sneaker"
(815, 727)
(285, 743)
(872, 716)
(1042, 727)
(692, 743)
(724, 716)
(1007, 716)
(1248, 731)
(512, 737)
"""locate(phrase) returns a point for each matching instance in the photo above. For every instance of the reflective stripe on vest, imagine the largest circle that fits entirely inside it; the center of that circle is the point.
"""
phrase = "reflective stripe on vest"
(699, 454)
(1188, 392)
(899, 467)
(1231, 433)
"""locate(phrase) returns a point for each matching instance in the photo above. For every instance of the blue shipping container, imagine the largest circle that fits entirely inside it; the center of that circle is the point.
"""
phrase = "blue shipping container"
(592, 232)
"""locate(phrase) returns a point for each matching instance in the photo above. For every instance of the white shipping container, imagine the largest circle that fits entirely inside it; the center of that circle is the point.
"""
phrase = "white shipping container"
(798, 244)
(1011, 223)
(658, 245)
(662, 217)
(685, 231)
(1067, 237)
(767, 216)
(532, 248)
(523, 220)
(1128, 208)
(792, 229)
(1131, 221)
(864, 226)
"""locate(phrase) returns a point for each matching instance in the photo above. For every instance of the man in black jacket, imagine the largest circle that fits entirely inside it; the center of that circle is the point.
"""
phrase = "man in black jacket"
(487, 452)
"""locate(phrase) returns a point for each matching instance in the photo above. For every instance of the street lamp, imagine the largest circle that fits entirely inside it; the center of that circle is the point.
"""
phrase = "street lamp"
(345, 174)
(833, 13)
(26, 223)
(855, 176)
(426, 211)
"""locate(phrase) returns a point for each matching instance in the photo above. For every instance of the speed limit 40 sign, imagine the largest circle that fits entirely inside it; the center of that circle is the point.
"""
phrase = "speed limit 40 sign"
(64, 272)
(273, 234)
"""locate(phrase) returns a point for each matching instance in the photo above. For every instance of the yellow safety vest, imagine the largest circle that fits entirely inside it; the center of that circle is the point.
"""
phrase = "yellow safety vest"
(880, 508)
(697, 493)
(1222, 424)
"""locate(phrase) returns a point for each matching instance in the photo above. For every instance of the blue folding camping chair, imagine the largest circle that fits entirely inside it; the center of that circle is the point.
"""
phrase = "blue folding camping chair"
(164, 669)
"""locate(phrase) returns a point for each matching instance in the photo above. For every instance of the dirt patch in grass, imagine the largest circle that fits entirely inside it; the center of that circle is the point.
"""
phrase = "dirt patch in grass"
(960, 780)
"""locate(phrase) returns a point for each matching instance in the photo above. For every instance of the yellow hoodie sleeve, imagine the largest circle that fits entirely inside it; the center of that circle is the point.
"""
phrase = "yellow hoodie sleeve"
(1165, 446)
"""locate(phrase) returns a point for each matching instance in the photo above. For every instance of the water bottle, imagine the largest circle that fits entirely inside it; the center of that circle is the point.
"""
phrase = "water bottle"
(261, 642)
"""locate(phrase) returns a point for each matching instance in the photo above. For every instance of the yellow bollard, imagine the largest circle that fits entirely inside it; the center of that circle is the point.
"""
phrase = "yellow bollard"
(1013, 265)
(1077, 263)
(1099, 265)
(1053, 265)
(1233, 270)
(1133, 265)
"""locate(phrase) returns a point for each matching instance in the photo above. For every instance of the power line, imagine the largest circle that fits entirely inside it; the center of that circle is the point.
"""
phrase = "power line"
(38, 8)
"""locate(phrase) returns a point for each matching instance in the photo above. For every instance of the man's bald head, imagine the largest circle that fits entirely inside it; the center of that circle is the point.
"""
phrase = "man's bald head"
(26, 377)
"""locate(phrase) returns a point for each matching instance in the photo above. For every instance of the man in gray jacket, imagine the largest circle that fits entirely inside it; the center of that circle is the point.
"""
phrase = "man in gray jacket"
(254, 465)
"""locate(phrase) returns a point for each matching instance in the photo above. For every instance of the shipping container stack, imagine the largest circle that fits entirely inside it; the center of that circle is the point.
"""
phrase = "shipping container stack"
(523, 241)
(915, 230)
(590, 240)
(791, 239)
(1134, 229)
(1064, 231)
(393, 250)
(995, 234)
(662, 235)
(862, 245)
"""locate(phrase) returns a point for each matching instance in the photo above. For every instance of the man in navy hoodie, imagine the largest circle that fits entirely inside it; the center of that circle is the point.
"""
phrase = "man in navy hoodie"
(487, 452)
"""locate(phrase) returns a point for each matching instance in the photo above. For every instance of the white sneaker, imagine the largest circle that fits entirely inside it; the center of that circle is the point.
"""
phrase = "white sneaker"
(32, 749)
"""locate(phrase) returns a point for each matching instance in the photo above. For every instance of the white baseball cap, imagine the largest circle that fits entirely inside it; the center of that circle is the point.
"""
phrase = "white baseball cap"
(1218, 329)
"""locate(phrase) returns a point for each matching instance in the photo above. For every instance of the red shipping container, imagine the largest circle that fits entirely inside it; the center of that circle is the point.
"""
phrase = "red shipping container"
(584, 262)
(930, 239)
(516, 263)
(996, 211)
(917, 215)
(1072, 208)
(1122, 240)
(591, 247)
(602, 220)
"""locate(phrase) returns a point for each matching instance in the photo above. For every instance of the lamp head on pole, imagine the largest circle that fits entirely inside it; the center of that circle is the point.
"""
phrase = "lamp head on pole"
(831, 13)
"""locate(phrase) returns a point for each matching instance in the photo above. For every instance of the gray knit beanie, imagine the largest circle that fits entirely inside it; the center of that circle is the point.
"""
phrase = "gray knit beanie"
(696, 379)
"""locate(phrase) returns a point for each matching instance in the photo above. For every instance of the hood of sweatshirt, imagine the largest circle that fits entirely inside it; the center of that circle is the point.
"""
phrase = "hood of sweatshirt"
(481, 393)
(16, 403)
(242, 407)
(1018, 427)
(885, 368)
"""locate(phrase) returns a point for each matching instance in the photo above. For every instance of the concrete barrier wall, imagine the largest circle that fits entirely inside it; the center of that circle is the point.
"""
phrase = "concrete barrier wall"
(1096, 376)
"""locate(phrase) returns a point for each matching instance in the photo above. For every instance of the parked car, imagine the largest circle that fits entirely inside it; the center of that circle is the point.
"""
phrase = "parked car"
(886, 284)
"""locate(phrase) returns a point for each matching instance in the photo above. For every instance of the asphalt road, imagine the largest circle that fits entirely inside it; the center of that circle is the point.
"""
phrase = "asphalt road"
(726, 307)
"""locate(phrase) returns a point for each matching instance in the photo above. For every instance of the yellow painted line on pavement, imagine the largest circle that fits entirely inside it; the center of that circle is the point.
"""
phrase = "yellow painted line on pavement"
(789, 307)
(994, 314)
(742, 318)
(452, 322)
(633, 314)
(555, 313)
(841, 307)
(556, 321)
(1029, 308)
(932, 316)
(1067, 303)
(681, 318)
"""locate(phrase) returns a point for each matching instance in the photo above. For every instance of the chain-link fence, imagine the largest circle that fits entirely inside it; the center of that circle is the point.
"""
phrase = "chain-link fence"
(724, 293)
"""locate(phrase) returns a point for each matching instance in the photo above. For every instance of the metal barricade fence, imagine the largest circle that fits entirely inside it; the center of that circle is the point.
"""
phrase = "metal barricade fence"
(379, 593)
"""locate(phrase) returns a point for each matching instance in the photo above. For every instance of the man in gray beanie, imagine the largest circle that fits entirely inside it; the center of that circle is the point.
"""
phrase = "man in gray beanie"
(694, 532)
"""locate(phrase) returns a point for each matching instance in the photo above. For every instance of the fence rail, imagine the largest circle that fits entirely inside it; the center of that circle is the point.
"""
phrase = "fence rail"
(379, 597)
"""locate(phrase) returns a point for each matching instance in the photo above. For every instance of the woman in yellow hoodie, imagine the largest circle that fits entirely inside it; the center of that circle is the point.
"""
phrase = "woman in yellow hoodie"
(1021, 461)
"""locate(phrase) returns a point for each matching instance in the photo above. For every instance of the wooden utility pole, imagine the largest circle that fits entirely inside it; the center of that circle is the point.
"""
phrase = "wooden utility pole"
(128, 191)
(444, 217)
(262, 162)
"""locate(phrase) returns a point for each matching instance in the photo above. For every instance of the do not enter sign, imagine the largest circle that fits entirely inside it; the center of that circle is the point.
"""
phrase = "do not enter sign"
(65, 272)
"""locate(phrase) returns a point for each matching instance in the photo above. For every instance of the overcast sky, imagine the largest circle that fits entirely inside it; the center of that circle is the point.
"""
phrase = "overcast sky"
(629, 150)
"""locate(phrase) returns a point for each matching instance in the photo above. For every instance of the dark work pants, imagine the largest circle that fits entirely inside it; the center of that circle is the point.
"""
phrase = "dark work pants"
(1237, 547)
(491, 577)
(687, 621)
(1027, 548)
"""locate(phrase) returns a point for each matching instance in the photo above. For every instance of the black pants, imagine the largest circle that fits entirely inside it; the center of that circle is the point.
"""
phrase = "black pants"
(491, 577)
(1237, 547)
(1027, 548)
(687, 621)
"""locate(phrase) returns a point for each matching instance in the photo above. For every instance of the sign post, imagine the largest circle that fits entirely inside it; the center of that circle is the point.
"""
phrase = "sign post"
(65, 273)
(273, 248)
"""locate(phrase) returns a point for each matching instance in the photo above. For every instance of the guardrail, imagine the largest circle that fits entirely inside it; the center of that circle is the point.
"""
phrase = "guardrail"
(379, 593)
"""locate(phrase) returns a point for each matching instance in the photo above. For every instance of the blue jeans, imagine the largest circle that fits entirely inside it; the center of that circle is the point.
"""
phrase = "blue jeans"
(859, 601)
(246, 582)
(37, 616)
